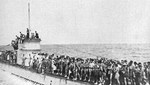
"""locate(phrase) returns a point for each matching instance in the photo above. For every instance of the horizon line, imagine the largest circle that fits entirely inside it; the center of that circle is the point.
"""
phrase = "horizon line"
(81, 44)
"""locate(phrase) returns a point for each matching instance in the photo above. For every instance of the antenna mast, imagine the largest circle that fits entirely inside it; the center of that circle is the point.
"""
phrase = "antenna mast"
(29, 14)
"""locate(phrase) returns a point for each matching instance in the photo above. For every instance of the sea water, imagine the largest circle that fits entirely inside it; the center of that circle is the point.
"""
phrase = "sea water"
(135, 52)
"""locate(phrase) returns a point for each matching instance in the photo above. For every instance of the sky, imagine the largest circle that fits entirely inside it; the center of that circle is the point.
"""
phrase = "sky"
(77, 21)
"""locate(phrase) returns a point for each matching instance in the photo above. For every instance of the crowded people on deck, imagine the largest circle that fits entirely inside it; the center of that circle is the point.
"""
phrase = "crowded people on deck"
(101, 71)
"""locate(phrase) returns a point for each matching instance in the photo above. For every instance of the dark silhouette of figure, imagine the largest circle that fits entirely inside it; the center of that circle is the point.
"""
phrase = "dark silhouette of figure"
(17, 37)
(14, 44)
(21, 37)
(36, 34)
(28, 33)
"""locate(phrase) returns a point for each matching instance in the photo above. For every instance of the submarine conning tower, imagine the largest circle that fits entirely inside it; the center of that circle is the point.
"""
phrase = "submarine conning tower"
(30, 44)
(27, 49)
(26, 46)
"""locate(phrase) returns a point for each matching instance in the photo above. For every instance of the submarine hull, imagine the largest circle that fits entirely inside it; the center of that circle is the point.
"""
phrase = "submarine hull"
(39, 78)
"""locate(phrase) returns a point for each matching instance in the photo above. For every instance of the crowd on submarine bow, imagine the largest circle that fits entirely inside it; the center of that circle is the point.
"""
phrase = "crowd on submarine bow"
(101, 71)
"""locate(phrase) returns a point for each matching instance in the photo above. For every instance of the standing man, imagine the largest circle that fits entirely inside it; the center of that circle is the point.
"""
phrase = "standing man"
(23, 60)
(28, 33)
(21, 37)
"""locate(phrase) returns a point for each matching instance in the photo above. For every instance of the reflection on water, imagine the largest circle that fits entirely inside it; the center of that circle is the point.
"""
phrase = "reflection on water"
(9, 79)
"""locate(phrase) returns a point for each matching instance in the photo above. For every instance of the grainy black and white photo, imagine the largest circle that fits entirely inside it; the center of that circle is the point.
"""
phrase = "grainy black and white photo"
(74, 42)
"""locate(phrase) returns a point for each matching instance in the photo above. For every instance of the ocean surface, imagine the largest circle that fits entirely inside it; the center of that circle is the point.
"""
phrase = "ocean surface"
(135, 52)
